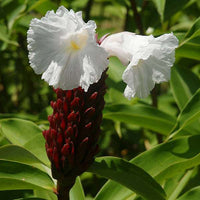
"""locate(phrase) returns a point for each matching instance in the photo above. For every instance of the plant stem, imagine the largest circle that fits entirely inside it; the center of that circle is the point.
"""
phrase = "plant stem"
(155, 104)
(88, 9)
(154, 97)
(137, 17)
(62, 191)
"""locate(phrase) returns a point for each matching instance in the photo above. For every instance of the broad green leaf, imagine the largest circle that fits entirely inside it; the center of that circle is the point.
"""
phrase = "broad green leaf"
(19, 131)
(192, 194)
(77, 191)
(174, 156)
(128, 175)
(19, 116)
(37, 147)
(142, 115)
(184, 84)
(163, 161)
(18, 154)
(15, 176)
(160, 5)
(27, 134)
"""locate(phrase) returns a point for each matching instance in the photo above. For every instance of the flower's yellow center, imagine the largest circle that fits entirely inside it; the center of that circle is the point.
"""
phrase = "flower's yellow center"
(74, 46)
(78, 41)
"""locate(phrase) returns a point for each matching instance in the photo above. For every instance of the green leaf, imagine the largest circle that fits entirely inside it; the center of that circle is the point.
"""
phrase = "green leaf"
(16, 176)
(77, 191)
(19, 131)
(27, 134)
(194, 30)
(189, 50)
(5, 37)
(142, 115)
(113, 190)
(15, 14)
(115, 69)
(128, 175)
(182, 183)
(18, 154)
(172, 7)
(188, 117)
(32, 198)
(184, 84)
(192, 194)
(45, 194)
(175, 156)
(191, 111)
(160, 5)
(163, 162)
(37, 147)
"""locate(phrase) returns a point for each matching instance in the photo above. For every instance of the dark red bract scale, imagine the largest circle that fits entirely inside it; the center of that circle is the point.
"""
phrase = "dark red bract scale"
(71, 141)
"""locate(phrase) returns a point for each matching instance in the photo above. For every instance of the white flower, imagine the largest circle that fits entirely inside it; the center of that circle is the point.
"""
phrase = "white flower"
(148, 60)
(63, 47)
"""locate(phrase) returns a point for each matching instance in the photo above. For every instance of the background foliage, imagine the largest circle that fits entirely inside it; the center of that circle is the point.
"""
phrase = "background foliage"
(160, 135)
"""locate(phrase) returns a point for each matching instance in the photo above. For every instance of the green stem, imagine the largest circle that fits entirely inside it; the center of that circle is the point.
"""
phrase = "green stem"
(181, 185)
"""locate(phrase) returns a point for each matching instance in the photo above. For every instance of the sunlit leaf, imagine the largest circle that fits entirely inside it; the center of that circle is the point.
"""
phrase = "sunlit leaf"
(15, 176)
(77, 191)
(164, 161)
(27, 134)
(128, 175)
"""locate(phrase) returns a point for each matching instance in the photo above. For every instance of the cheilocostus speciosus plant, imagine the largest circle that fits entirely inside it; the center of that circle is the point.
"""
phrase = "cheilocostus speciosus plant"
(63, 48)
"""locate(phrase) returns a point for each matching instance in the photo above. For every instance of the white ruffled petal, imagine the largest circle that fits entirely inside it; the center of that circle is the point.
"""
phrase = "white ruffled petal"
(114, 45)
(139, 79)
(63, 47)
(149, 59)
(94, 63)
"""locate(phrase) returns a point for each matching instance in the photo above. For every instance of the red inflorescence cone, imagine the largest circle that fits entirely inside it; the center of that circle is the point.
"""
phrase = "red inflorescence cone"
(71, 141)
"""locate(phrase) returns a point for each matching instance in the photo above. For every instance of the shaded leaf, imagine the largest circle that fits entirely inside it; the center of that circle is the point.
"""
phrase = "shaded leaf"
(191, 111)
(192, 194)
(194, 30)
(160, 5)
(142, 115)
(184, 84)
(189, 50)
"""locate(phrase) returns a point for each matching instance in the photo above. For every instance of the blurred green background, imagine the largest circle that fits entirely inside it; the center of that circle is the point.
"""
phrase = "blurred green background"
(24, 95)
